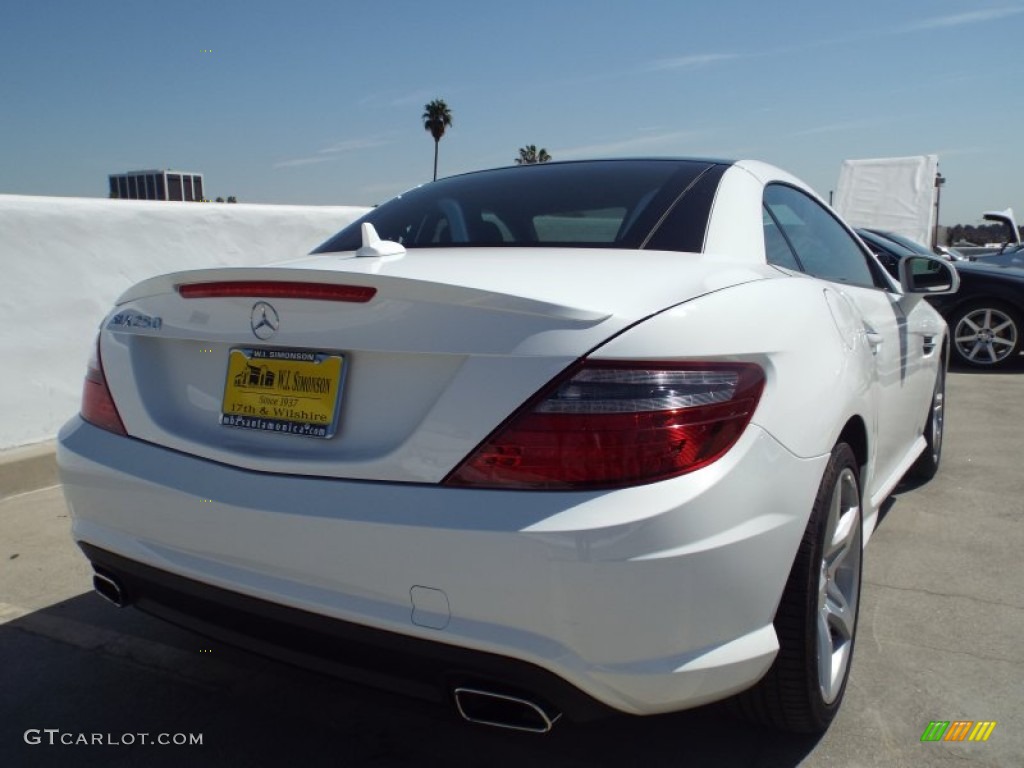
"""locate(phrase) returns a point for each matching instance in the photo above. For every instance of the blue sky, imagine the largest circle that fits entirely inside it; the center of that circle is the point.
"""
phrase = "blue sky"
(320, 102)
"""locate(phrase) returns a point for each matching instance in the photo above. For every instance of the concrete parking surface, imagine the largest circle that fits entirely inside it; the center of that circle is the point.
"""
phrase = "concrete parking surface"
(941, 623)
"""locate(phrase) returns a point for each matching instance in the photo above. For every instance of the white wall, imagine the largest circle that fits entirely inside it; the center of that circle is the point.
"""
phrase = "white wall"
(63, 262)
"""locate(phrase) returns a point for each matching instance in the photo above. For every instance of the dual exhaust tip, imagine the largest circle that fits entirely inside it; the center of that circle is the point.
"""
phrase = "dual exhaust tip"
(475, 705)
(501, 710)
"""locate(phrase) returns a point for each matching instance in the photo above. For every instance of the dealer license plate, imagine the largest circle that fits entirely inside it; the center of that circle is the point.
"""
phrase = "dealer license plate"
(291, 391)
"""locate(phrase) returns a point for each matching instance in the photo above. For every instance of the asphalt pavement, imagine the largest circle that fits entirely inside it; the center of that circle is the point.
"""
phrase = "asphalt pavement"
(942, 616)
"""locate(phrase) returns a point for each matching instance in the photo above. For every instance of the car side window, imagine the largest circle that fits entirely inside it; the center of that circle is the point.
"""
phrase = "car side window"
(823, 246)
(776, 249)
(887, 256)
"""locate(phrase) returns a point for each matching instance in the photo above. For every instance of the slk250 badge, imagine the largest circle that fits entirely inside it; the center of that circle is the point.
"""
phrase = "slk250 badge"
(131, 318)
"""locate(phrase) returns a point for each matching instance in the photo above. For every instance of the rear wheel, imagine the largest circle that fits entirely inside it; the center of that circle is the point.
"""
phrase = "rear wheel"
(986, 334)
(817, 617)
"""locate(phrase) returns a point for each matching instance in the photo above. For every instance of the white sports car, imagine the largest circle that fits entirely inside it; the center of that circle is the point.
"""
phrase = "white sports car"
(563, 438)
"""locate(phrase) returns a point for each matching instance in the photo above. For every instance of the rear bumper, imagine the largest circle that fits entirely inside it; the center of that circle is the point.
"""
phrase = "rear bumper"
(645, 600)
(405, 665)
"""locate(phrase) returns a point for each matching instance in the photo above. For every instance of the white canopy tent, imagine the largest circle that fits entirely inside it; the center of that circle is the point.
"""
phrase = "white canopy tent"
(891, 193)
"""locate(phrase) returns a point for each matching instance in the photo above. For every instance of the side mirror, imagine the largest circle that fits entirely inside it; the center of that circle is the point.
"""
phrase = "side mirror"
(929, 275)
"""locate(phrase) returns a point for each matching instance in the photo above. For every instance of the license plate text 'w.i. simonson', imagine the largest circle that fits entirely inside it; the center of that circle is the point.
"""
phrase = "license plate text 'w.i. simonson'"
(291, 391)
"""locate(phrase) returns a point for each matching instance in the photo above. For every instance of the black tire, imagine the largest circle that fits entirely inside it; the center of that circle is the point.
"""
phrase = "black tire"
(927, 463)
(791, 695)
(985, 334)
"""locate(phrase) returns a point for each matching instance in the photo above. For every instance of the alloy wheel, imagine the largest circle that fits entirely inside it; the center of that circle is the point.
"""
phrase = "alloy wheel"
(985, 336)
(938, 417)
(839, 586)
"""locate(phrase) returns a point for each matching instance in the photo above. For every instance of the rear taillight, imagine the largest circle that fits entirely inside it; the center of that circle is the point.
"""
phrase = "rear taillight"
(615, 424)
(97, 405)
(277, 289)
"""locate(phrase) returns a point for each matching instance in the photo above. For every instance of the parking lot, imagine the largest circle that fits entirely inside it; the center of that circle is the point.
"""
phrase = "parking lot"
(940, 634)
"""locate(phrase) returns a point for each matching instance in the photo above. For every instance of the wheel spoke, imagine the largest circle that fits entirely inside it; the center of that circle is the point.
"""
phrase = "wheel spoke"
(839, 612)
(825, 652)
(842, 538)
(835, 513)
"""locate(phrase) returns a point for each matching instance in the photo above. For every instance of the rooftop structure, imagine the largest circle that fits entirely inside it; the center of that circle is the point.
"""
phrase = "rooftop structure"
(157, 185)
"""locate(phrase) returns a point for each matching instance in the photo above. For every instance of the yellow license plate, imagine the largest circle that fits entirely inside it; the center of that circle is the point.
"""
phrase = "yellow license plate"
(291, 391)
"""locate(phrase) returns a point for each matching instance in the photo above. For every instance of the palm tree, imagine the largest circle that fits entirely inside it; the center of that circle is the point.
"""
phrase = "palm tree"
(436, 117)
(529, 155)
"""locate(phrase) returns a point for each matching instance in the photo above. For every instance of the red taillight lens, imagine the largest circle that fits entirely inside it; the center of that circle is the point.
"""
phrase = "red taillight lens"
(97, 405)
(277, 289)
(617, 424)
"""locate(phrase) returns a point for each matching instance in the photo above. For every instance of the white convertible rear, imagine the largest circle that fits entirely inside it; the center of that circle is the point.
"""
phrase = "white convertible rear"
(586, 436)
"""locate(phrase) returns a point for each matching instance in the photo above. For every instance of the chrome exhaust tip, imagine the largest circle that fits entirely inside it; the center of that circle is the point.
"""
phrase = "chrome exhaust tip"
(503, 711)
(108, 589)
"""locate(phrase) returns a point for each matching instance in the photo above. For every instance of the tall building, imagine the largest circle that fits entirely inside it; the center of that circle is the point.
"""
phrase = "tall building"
(157, 185)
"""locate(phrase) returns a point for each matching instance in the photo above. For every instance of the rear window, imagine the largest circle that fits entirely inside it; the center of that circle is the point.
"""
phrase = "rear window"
(596, 226)
(611, 203)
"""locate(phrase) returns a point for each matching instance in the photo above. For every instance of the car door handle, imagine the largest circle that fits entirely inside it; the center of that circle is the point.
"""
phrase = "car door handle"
(874, 339)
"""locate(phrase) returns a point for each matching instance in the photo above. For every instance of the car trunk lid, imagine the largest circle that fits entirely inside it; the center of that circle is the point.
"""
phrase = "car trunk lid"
(448, 345)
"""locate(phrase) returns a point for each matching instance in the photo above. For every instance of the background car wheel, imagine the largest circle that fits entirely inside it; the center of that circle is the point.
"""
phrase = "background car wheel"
(817, 617)
(986, 334)
(927, 463)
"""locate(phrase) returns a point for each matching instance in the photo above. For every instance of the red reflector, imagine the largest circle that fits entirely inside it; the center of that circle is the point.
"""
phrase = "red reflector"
(277, 289)
(97, 403)
(607, 425)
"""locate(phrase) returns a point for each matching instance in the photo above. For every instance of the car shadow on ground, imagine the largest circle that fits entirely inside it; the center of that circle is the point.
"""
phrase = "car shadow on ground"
(85, 667)
(890, 502)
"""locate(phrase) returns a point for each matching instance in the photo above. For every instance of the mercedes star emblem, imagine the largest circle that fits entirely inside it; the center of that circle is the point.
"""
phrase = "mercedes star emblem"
(264, 320)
